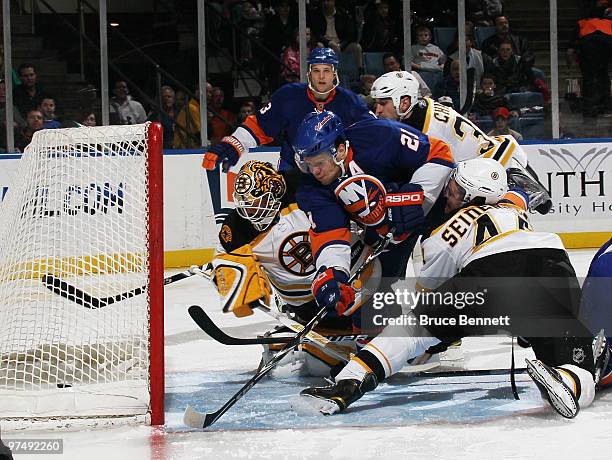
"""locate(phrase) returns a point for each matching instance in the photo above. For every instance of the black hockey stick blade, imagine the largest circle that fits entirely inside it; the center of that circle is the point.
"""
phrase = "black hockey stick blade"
(80, 297)
(207, 325)
(70, 292)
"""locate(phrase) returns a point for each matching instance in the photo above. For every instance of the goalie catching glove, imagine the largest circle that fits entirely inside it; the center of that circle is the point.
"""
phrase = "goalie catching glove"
(227, 152)
(240, 280)
(332, 291)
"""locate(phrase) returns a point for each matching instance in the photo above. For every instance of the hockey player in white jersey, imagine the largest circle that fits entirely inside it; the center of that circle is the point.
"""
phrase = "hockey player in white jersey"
(487, 238)
(265, 247)
(396, 97)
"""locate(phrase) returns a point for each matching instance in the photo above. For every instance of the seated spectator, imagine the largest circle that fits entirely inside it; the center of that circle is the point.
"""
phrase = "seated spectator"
(335, 28)
(487, 99)
(223, 120)
(33, 123)
(87, 118)
(380, 30)
(251, 21)
(426, 57)
(392, 64)
(247, 108)
(17, 118)
(166, 115)
(290, 70)
(501, 116)
(47, 108)
(123, 109)
(510, 71)
(278, 33)
(366, 87)
(483, 12)
(28, 95)
(476, 60)
(592, 38)
(187, 127)
(520, 47)
(450, 87)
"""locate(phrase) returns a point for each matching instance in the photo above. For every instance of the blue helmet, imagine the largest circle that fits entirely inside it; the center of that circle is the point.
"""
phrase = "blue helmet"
(318, 133)
(323, 56)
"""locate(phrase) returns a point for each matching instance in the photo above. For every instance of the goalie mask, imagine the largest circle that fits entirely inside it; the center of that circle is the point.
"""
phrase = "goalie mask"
(258, 190)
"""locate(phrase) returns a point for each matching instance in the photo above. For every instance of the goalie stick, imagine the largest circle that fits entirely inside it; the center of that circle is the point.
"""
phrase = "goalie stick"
(197, 419)
(78, 296)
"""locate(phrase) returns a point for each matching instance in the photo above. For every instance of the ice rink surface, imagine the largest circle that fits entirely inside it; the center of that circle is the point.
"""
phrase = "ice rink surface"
(469, 417)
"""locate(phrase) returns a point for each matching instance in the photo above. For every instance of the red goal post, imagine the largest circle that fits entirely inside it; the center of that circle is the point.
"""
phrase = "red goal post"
(86, 206)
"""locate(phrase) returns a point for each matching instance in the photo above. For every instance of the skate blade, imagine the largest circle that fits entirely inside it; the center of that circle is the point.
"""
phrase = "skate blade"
(559, 396)
(324, 406)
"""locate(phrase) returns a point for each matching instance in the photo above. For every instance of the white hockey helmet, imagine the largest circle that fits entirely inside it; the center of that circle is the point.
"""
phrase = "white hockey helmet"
(481, 178)
(258, 190)
(396, 85)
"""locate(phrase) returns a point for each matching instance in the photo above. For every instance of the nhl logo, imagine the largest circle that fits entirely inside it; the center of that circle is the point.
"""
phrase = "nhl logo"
(578, 355)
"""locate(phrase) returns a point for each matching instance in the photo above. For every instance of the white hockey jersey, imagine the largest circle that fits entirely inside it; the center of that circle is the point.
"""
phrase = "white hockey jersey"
(284, 252)
(476, 232)
(467, 140)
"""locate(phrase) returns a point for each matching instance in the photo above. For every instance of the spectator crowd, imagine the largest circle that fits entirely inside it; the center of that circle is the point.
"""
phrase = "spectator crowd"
(499, 63)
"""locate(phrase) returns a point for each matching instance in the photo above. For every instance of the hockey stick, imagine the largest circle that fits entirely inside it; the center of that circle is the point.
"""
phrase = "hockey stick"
(207, 325)
(73, 293)
(197, 419)
(204, 322)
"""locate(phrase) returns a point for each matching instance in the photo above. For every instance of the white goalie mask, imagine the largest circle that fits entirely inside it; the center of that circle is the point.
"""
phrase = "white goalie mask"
(258, 190)
(481, 178)
(396, 85)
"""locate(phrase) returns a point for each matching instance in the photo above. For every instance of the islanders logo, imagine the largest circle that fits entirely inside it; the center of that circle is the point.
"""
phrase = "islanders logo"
(363, 197)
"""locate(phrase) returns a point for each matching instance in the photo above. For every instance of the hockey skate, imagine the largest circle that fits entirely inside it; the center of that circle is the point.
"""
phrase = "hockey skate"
(337, 397)
(552, 387)
(601, 355)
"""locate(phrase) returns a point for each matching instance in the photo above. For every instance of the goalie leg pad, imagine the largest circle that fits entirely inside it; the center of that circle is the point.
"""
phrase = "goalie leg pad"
(240, 280)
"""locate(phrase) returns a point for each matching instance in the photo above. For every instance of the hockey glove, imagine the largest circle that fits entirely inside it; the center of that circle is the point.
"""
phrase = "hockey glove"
(227, 152)
(331, 291)
(404, 208)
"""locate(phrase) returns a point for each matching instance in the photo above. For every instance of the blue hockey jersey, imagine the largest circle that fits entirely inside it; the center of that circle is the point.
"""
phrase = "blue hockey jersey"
(381, 153)
(595, 308)
(286, 110)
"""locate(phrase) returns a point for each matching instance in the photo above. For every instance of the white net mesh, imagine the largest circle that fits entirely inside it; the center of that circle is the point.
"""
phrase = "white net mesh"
(77, 210)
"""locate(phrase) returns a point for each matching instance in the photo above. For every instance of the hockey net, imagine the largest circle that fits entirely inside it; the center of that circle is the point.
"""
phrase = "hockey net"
(85, 206)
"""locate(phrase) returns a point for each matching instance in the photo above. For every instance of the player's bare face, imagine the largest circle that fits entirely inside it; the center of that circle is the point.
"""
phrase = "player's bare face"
(323, 168)
(454, 195)
(384, 108)
(322, 77)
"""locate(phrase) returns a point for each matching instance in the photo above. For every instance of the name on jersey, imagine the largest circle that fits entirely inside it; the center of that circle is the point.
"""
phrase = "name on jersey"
(460, 224)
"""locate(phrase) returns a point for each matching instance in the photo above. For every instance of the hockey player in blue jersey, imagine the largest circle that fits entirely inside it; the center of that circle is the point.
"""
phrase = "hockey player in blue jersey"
(286, 110)
(595, 303)
(378, 173)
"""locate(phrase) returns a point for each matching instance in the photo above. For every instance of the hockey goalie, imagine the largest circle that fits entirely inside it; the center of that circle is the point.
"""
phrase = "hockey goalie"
(265, 261)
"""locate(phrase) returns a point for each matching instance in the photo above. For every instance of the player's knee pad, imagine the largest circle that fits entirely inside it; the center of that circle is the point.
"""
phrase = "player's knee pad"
(240, 280)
